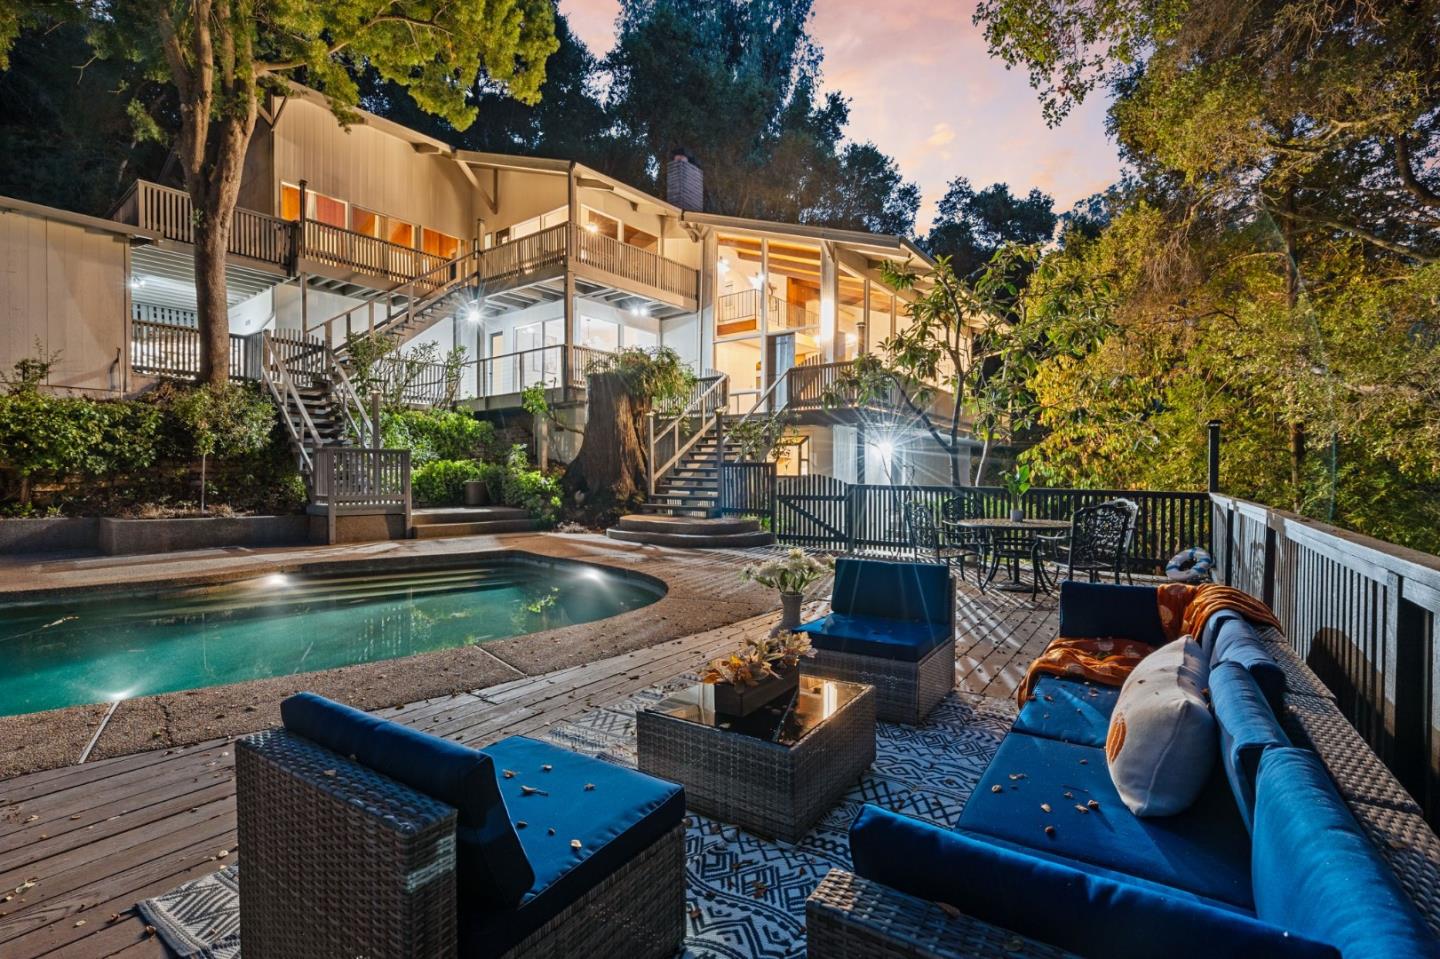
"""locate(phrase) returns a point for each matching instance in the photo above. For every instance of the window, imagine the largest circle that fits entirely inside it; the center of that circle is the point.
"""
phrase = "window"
(319, 207)
(289, 202)
(439, 244)
(641, 239)
(599, 334)
(363, 221)
(399, 233)
(599, 223)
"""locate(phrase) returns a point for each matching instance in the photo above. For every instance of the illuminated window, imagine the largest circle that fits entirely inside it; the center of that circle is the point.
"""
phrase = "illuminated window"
(327, 210)
(439, 244)
(401, 233)
(289, 202)
(599, 223)
(370, 224)
(641, 239)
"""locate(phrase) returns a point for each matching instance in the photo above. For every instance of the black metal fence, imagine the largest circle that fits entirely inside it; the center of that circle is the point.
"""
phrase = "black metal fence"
(827, 513)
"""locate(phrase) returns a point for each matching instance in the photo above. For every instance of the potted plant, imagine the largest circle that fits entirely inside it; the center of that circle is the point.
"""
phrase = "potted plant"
(1017, 484)
(757, 673)
(791, 576)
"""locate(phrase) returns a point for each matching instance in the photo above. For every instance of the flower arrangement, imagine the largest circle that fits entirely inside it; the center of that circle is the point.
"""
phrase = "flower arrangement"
(758, 659)
(792, 574)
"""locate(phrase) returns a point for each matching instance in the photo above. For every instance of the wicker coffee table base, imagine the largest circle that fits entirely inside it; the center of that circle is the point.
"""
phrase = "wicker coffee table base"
(905, 692)
(763, 787)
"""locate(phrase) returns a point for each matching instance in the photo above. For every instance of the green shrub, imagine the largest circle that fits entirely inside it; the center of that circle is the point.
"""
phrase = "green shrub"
(524, 486)
(438, 435)
(442, 482)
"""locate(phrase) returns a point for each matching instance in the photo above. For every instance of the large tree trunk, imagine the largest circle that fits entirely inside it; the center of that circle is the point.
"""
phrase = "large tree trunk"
(212, 239)
(610, 469)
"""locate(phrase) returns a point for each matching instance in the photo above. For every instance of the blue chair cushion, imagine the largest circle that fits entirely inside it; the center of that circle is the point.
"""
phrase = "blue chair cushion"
(625, 813)
(1316, 873)
(1204, 850)
(1072, 711)
(881, 589)
(1071, 908)
(874, 636)
(490, 864)
(1247, 729)
(1230, 638)
(1104, 609)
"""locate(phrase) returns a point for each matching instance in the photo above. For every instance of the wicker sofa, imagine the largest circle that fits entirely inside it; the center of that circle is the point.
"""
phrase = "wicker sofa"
(1302, 843)
(362, 837)
(892, 626)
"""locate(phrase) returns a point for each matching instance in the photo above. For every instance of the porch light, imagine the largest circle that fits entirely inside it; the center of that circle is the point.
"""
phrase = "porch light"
(136, 282)
(593, 227)
(472, 313)
(640, 310)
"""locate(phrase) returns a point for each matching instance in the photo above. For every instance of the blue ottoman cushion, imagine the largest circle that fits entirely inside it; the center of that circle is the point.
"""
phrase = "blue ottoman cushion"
(1104, 609)
(1229, 638)
(490, 864)
(624, 814)
(1315, 872)
(1078, 911)
(897, 639)
(1204, 850)
(1070, 710)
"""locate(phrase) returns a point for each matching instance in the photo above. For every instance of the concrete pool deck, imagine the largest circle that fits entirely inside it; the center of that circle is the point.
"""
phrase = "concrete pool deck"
(704, 592)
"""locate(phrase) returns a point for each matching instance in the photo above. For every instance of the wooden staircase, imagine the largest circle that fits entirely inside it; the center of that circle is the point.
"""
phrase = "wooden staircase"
(692, 486)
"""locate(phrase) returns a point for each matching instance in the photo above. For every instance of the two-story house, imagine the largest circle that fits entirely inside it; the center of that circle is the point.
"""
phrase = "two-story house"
(534, 266)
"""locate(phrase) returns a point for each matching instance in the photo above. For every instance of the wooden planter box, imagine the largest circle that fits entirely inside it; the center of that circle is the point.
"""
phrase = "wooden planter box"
(744, 700)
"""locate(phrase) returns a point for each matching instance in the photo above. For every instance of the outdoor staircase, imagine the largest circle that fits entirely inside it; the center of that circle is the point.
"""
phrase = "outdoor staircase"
(410, 308)
(321, 405)
(692, 487)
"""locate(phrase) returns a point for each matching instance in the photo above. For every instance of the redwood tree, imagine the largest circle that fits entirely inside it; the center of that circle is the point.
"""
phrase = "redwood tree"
(223, 56)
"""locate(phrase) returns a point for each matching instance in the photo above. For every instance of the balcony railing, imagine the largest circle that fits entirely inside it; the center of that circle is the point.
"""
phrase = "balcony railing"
(779, 314)
(349, 250)
(552, 245)
(162, 349)
(170, 213)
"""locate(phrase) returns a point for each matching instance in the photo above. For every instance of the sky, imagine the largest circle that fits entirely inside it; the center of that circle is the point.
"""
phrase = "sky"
(922, 87)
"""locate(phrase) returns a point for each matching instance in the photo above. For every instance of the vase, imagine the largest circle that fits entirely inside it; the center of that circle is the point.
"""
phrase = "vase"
(790, 611)
(737, 701)
(1017, 516)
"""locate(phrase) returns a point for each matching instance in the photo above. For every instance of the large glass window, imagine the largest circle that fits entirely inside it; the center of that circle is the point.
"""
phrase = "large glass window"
(794, 270)
(882, 315)
(849, 316)
(599, 334)
(439, 244)
(319, 207)
(600, 223)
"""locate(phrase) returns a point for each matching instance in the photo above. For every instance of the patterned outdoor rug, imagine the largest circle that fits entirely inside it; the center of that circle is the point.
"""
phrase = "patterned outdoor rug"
(746, 895)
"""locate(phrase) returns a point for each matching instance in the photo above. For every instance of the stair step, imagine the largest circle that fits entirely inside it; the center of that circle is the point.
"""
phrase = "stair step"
(476, 528)
(461, 514)
(645, 523)
(671, 509)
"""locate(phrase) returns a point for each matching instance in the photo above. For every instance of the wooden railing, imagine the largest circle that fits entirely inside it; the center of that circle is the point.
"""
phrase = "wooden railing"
(170, 213)
(747, 489)
(525, 255)
(550, 246)
(164, 315)
(163, 349)
(671, 434)
(347, 249)
(780, 315)
(1363, 615)
(415, 383)
(351, 477)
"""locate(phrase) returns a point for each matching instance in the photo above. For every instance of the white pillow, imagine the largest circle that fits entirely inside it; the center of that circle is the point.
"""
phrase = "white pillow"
(1162, 742)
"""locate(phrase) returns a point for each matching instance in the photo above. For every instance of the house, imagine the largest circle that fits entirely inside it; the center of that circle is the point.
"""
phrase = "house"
(535, 267)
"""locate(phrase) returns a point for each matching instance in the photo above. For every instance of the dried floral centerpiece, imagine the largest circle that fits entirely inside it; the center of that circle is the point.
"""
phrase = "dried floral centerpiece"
(791, 575)
(757, 673)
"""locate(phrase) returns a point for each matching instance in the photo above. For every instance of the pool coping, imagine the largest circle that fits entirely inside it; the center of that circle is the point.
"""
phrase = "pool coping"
(698, 595)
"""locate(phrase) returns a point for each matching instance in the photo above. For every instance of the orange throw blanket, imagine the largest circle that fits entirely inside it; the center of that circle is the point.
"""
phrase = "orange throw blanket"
(1184, 610)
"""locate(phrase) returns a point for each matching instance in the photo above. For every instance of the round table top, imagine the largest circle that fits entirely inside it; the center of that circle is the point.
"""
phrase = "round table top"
(1004, 522)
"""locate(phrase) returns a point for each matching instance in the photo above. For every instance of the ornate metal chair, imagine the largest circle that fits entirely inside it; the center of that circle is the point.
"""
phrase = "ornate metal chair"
(1098, 542)
(925, 535)
(970, 542)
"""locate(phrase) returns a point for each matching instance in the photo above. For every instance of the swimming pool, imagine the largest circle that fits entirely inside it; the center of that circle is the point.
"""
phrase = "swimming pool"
(90, 650)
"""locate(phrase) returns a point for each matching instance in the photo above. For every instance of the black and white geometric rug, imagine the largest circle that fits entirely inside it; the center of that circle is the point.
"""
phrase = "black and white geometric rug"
(746, 895)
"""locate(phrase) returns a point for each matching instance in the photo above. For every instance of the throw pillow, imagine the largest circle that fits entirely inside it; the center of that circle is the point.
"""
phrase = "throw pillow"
(1161, 744)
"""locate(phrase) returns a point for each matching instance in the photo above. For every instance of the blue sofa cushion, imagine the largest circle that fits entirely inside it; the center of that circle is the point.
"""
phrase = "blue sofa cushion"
(1104, 609)
(1247, 729)
(918, 592)
(1204, 850)
(1070, 710)
(1316, 873)
(622, 815)
(490, 865)
(1230, 638)
(874, 636)
(1078, 911)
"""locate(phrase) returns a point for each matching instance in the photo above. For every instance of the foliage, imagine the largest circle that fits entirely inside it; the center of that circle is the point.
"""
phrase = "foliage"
(791, 574)
(1017, 482)
(657, 376)
(533, 401)
(972, 226)
(228, 420)
(439, 435)
(377, 364)
(758, 659)
(529, 488)
(760, 440)
(442, 482)
(514, 482)
(29, 372)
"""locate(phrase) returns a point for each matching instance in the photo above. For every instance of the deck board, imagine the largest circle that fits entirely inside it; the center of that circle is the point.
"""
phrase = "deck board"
(120, 830)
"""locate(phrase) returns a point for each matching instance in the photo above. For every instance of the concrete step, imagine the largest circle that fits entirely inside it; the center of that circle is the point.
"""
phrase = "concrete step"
(465, 514)
(476, 528)
(689, 532)
(674, 509)
(686, 525)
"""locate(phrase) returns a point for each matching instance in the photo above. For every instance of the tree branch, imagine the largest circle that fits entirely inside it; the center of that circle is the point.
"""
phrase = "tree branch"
(1407, 173)
(1366, 235)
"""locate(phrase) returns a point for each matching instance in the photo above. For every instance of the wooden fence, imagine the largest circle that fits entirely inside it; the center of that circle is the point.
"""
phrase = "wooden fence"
(825, 512)
(745, 488)
(1363, 615)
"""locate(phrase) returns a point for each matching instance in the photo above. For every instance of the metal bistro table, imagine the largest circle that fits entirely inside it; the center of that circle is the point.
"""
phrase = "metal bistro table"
(1013, 540)
(774, 772)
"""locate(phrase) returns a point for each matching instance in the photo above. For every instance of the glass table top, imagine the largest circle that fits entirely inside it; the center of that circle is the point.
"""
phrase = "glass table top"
(786, 720)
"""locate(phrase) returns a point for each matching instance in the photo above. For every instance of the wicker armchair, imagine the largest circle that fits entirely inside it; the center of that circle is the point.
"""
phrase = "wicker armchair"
(342, 861)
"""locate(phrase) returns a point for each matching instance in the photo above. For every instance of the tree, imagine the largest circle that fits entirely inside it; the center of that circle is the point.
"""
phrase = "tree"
(223, 56)
(972, 226)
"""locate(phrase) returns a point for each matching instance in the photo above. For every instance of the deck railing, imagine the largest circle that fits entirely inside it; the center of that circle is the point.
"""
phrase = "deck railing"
(164, 349)
(170, 213)
(336, 246)
(1362, 613)
(552, 245)
(524, 255)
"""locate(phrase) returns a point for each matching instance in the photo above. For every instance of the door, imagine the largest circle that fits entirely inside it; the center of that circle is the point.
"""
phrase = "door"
(781, 360)
(496, 377)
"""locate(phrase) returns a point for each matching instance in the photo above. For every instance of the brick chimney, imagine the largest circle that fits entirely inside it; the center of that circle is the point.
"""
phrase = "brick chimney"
(684, 182)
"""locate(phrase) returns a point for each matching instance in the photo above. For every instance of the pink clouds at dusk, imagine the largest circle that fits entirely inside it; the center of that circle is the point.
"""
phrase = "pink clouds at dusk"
(922, 87)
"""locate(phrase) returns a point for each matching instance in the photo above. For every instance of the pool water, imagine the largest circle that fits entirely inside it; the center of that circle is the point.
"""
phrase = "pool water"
(98, 650)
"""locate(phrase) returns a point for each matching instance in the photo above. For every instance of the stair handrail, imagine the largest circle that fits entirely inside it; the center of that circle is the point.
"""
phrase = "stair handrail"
(276, 377)
(760, 400)
(360, 424)
(698, 407)
(460, 276)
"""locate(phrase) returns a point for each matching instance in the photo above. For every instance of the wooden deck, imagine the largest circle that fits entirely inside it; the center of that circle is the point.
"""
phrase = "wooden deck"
(80, 845)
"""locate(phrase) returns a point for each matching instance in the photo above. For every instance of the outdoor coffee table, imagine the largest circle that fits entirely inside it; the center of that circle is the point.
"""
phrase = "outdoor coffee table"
(774, 772)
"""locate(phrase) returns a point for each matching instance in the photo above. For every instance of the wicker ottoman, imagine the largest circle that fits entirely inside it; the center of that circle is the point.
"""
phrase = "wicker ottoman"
(904, 692)
(773, 773)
